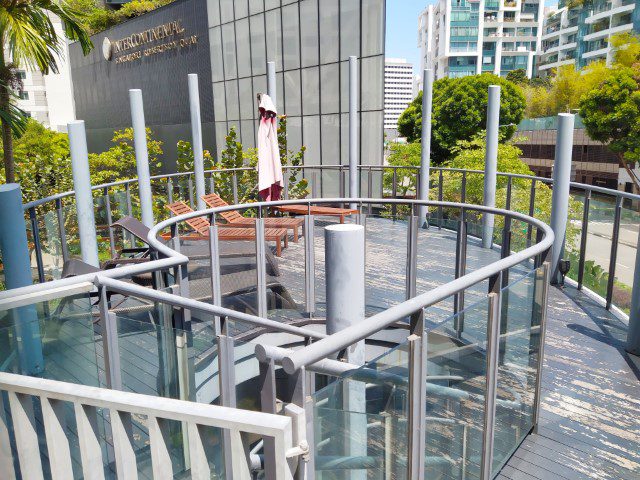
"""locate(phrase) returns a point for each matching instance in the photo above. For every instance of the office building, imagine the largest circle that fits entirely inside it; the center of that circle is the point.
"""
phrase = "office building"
(399, 90)
(228, 44)
(580, 35)
(466, 37)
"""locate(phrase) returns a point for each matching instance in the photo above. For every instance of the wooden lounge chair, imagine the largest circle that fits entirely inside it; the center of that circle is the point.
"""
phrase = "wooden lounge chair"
(317, 210)
(234, 219)
(201, 227)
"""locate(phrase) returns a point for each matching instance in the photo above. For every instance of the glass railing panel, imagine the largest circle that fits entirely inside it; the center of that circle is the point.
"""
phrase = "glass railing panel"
(385, 262)
(360, 421)
(626, 255)
(456, 383)
(51, 246)
(53, 339)
(517, 364)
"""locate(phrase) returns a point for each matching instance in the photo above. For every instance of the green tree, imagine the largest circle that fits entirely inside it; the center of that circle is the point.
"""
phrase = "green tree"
(119, 162)
(518, 76)
(460, 111)
(29, 39)
(402, 155)
(42, 162)
(626, 49)
(611, 114)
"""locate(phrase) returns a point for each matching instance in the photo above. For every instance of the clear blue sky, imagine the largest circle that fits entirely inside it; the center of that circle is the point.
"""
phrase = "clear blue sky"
(402, 29)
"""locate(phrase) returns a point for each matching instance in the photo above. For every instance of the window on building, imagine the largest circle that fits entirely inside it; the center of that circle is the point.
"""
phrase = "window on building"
(21, 74)
(22, 95)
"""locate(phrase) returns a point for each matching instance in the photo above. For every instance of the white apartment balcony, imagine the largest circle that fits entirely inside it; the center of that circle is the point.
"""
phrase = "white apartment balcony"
(596, 16)
(556, 64)
(606, 32)
(561, 31)
(558, 48)
(601, 52)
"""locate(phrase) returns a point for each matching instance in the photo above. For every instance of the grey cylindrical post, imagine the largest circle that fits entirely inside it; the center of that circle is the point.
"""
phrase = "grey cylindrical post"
(17, 273)
(82, 188)
(196, 135)
(353, 129)
(142, 156)
(344, 267)
(344, 264)
(272, 86)
(425, 156)
(633, 334)
(560, 196)
(491, 163)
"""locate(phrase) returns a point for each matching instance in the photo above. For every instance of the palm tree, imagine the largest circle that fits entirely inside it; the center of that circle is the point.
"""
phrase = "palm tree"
(29, 39)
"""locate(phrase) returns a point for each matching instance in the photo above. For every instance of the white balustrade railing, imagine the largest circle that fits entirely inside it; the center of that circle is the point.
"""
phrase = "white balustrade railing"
(121, 406)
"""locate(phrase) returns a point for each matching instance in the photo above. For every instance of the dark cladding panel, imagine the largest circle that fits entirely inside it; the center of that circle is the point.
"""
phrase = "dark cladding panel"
(101, 86)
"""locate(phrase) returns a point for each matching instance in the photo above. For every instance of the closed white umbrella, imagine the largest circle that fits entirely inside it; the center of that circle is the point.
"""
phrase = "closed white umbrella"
(269, 166)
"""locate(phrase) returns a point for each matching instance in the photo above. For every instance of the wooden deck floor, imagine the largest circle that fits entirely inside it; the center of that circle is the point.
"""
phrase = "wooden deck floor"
(590, 422)
(590, 425)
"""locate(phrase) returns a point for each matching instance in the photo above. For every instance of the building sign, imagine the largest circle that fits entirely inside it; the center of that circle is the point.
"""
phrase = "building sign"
(157, 40)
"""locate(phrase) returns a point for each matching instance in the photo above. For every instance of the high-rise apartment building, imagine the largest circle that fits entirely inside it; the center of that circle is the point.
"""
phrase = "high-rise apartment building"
(398, 91)
(580, 34)
(48, 98)
(466, 37)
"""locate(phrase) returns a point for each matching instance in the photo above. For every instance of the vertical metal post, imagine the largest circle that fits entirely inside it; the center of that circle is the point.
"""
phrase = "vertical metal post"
(461, 267)
(267, 381)
(170, 191)
(216, 290)
(212, 184)
(261, 268)
(493, 346)
(425, 154)
(544, 287)
(314, 185)
(354, 156)
(633, 333)
(272, 86)
(613, 257)
(440, 196)
(491, 163)
(132, 239)
(309, 265)
(37, 245)
(107, 204)
(560, 196)
(286, 175)
(417, 396)
(142, 156)
(82, 189)
(62, 230)
(196, 136)
(370, 188)
(532, 207)
(234, 187)
(583, 237)
(463, 187)
(413, 224)
(227, 379)
(190, 191)
(394, 193)
(110, 343)
(17, 273)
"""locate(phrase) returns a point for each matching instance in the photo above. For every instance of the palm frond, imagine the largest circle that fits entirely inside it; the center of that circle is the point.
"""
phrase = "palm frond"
(13, 115)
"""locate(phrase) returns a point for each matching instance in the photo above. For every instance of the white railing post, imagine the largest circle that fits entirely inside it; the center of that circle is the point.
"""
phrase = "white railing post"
(491, 163)
(142, 156)
(560, 194)
(354, 157)
(425, 154)
(196, 135)
(82, 189)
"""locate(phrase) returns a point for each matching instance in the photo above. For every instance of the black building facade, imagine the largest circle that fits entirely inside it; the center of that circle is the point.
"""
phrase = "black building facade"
(155, 53)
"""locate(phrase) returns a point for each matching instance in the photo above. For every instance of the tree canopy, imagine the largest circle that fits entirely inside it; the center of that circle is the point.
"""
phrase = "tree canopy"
(460, 110)
(611, 114)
